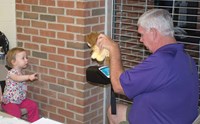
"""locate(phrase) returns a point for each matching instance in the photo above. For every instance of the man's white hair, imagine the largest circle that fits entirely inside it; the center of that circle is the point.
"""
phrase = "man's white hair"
(159, 19)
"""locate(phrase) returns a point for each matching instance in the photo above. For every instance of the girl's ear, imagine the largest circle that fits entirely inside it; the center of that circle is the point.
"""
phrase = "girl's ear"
(13, 62)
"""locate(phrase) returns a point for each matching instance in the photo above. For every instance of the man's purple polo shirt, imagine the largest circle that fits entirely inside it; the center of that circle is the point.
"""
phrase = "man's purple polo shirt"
(163, 88)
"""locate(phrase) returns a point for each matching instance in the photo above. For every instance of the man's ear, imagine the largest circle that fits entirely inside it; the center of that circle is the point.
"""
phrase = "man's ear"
(154, 33)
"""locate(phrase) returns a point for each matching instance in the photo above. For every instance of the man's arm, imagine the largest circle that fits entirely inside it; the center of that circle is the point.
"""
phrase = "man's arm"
(116, 67)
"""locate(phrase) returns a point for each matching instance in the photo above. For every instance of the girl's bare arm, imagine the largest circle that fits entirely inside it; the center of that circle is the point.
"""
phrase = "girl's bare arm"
(20, 78)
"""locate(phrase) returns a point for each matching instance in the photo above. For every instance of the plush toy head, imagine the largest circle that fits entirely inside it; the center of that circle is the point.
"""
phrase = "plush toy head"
(97, 54)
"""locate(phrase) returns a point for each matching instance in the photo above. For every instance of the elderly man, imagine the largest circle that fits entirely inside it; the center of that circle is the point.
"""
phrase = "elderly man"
(164, 87)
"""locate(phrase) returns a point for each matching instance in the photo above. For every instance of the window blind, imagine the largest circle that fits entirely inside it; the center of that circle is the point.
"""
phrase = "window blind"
(186, 17)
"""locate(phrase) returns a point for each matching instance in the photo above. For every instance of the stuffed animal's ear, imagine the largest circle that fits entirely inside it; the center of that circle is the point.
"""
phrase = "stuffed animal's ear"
(91, 39)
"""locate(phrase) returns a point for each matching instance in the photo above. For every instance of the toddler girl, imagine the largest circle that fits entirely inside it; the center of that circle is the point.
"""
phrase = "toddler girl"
(14, 96)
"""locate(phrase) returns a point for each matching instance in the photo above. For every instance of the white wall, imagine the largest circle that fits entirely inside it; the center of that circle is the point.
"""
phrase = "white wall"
(8, 20)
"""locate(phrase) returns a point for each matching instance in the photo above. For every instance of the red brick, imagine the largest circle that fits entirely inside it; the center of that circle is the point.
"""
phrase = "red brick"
(33, 60)
(102, 3)
(70, 121)
(29, 95)
(97, 120)
(47, 33)
(66, 4)
(66, 67)
(96, 90)
(48, 93)
(75, 92)
(81, 54)
(39, 39)
(31, 15)
(39, 24)
(31, 31)
(66, 113)
(57, 42)
(76, 45)
(80, 102)
(57, 103)
(39, 9)
(57, 117)
(102, 19)
(47, 2)
(88, 101)
(82, 86)
(80, 70)
(87, 5)
(77, 29)
(98, 28)
(23, 22)
(22, 7)
(75, 77)
(57, 58)
(39, 69)
(59, 11)
(48, 49)
(75, 108)
(31, 2)
(48, 107)
(97, 105)
(48, 63)
(66, 98)
(65, 82)
(60, 27)
(48, 79)
(67, 36)
(56, 73)
(64, 19)
(18, 1)
(67, 52)
(87, 21)
(78, 13)
(76, 61)
(34, 89)
(31, 46)
(41, 84)
(90, 115)
(80, 37)
(23, 37)
(19, 29)
(40, 98)
(44, 113)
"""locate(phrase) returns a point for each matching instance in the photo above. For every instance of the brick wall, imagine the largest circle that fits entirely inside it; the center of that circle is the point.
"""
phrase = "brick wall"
(52, 31)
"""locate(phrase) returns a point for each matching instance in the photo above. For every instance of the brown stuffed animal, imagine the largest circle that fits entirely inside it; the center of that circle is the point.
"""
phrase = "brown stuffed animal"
(97, 54)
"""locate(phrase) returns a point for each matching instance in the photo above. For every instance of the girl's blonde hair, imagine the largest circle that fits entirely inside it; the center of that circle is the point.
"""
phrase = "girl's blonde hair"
(11, 55)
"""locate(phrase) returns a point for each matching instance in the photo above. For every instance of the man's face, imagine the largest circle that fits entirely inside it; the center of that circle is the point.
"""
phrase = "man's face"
(146, 38)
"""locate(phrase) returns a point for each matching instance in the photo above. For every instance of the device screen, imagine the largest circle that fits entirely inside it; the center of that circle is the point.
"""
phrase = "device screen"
(105, 70)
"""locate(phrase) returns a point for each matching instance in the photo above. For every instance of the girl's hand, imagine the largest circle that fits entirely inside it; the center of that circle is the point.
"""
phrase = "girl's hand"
(33, 77)
(1, 98)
